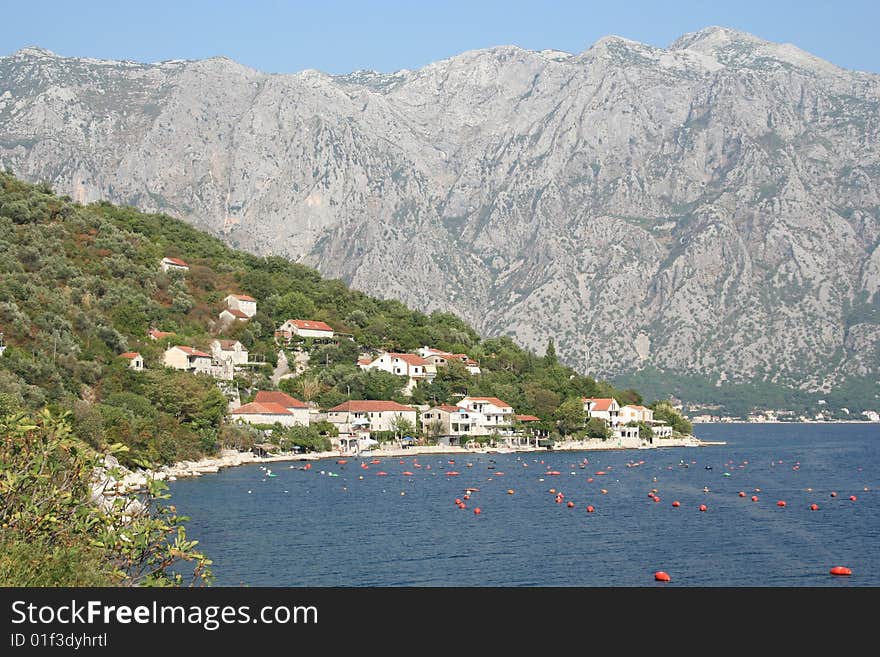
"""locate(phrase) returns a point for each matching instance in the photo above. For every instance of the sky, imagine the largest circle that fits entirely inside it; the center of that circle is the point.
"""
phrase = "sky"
(340, 36)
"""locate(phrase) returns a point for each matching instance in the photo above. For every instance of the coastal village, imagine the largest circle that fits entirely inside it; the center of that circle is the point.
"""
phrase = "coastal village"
(470, 421)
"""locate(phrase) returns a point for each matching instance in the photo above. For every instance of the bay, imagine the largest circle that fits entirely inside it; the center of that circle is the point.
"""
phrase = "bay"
(356, 528)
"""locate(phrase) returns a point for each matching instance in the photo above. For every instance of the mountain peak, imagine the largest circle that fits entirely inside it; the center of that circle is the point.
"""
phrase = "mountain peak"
(712, 38)
(35, 51)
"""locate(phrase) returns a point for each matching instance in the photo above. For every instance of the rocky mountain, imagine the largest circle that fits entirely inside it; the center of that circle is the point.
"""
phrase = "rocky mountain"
(712, 208)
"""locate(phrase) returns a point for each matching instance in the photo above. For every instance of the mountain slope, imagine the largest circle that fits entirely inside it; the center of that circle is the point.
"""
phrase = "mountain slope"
(710, 209)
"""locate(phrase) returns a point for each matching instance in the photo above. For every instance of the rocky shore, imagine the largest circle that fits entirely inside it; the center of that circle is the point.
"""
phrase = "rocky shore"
(135, 480)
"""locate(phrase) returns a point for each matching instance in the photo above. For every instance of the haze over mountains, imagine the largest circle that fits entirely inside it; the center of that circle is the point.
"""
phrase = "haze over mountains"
(712, 208)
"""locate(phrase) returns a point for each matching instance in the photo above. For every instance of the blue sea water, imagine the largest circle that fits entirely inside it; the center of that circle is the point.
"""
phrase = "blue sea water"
(357, 529)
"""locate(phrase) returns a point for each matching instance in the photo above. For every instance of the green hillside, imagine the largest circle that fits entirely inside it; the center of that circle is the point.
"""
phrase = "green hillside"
(82, 284)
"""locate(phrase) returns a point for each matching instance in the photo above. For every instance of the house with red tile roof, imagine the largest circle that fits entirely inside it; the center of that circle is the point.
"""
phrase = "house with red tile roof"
(605, 408)
(229, 315)
(136, 361)
(242, 303)
(413, 367)
(159, 335)
(635, 413)
(440, 358)
(231, 350)
(493, 414)
(175, 264)
(373, 415)
(305, 328)
(267, 412)
(450, 425)
(188, 359)
(299, 409)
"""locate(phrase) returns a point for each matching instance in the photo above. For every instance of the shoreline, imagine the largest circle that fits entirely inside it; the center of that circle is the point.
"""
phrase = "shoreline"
(229, 458)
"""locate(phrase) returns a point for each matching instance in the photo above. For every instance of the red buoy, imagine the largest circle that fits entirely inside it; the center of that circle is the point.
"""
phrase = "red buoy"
(661, 576)
(703, 507)
(604, 491)
(841, 571)
(814, 507)
(656, 499)
(590, 508)
(477, 511)
(571, 505)
(407, 473)
(852, 498)
(676, 504)
(833, 494)
(452, 473)
(462, 506)
(510, 491)
(754, 498)
(780, 503)
(742, 494)
(381, 474)
(457, 501)
(467, 497)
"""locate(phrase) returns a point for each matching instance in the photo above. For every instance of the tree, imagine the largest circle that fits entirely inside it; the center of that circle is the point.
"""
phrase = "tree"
(550, 359)
(664, 412)
(645, 431)
(55, 533)
(402, 427)
(596, 428)
(570, 416)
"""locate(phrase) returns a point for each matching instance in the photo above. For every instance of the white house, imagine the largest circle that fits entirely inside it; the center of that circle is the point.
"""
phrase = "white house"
(243, 303)
(175, 264)
(635, 413)
(440, 358)
(492, 414)
(414, 368)
(265, 413)
(188, 359)
(304, 328)
(231, 350)
(606, 408)
(299, 409)
(448, 423)
(369, 414)
(135, 360)
(233, 315)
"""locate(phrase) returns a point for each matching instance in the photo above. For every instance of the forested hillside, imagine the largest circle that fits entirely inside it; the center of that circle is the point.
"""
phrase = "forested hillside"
(82, 284)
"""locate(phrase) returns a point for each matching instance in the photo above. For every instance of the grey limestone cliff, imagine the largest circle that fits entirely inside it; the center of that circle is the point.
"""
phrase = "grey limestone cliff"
(712, 207)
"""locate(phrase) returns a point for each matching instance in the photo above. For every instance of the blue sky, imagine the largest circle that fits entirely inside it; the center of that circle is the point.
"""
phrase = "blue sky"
(339, 36)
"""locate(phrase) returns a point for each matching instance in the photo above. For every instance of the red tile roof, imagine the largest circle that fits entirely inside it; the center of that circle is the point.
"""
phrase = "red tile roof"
(310, 324)
(370, 406)
(280, 398)
(242, 297)
(235, 312)
(130, 354)
(449, 409)
(159, 334)
(528, 418)
(602, 403)
(227, 345)
(261, 408)
(175, 261)
(364, 361)
(491, 400)
(189, 351)
(410, 359)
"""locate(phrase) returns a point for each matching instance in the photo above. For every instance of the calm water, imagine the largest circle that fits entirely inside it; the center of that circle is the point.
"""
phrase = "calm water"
(305, 528)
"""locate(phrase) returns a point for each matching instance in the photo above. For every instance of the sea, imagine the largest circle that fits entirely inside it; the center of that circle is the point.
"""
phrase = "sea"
(777, 505)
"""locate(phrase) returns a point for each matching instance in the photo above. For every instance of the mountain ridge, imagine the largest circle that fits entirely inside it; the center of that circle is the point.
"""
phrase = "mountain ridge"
(704, 208)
